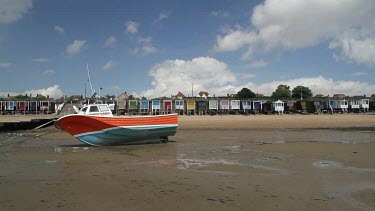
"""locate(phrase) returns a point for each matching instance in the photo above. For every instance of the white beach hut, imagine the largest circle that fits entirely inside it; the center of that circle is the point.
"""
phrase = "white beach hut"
(278, 107)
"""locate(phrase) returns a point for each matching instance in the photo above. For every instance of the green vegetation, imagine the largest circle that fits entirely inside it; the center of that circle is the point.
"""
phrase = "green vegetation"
(245, 93)
(302, 92)
(282, 92)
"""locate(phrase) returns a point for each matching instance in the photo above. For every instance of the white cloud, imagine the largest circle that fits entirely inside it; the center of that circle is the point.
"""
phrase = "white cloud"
(291, 25)
(110, 42)
(14, 10)
(257, 64)
(109, 65)
(146, 46)
(358, 49)
(234, 40)
(5, 64)
(213, 76)
(172, 76)
(59, 29)
(131, 27)
(359, 74)
(162, 16)
(49, 72)
(75, 47)
(53, 91)
(40, 60)
(219, 13)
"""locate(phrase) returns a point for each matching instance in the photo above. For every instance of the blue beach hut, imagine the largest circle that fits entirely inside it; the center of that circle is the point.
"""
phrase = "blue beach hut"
(155, 106)
(145, 106)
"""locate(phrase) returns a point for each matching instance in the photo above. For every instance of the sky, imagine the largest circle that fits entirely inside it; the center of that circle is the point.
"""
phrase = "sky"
(158, 48)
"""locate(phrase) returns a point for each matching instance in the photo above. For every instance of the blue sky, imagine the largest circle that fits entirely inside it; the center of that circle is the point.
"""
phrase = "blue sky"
(157, 48)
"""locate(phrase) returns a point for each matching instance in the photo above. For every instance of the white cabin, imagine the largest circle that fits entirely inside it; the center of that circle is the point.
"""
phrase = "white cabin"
(235, 105)
(96, 110)
(364, 104)
(278, 106)
(343, 105)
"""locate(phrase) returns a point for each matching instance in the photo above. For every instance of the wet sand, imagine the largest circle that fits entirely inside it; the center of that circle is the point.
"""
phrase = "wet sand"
(290, 162)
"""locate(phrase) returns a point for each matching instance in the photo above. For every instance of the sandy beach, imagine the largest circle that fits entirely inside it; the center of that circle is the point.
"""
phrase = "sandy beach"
(256, 162)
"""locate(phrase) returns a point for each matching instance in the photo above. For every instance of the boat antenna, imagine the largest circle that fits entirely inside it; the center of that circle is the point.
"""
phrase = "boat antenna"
(89, 79)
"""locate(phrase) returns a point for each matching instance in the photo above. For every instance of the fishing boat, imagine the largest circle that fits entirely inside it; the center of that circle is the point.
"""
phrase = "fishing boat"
(95, 125)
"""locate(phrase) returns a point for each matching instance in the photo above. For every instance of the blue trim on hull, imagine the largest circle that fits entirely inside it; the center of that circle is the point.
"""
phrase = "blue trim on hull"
(127, 135)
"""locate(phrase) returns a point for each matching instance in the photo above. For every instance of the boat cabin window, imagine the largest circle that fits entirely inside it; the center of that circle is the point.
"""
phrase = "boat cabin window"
(103, 108)
(84, 109)
(94, 109)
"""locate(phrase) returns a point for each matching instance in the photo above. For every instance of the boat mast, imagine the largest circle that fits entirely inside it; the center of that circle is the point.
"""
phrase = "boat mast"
(89, 79)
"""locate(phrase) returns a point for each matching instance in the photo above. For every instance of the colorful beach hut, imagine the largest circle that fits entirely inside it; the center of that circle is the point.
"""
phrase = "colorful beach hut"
(167, 106)
(121, 107)
(202, 107)
(224, 106)
(190, 107)
(155, 106)
(133, 106)
(144, 106)
(257, 107)
(290, 106)
(22, 105)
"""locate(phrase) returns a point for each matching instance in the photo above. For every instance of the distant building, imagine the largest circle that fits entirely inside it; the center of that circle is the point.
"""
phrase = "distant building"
(179, 95)
(203, 94)
(340, 96)
(123, 96)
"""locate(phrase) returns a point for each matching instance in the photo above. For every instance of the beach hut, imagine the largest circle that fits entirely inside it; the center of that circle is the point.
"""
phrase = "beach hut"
(1, 107)
(246, 106)
(10, 107)
(132, 106)
(190, 107)
(353, 105)
(179, 106)
(342, 105)
(155, 106)
(121, 107)
(364, 104)
(224, 106)
(44, 106)
(167, 106)
(202, 107)
(235, 106)
(213, 106)
(371, 106)
(257, 107)
(144, 106)
(278, 107)
(290, 106)
(267, 107)
(302, 106)
(317, 106)
(22, 106)
(329, 106)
